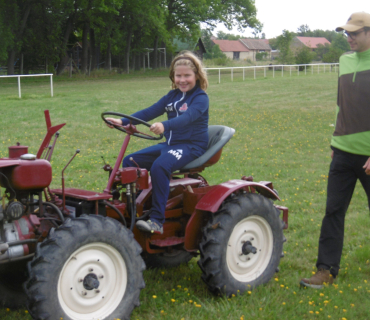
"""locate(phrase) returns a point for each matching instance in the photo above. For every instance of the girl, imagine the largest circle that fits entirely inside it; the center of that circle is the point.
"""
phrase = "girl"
(186, 132)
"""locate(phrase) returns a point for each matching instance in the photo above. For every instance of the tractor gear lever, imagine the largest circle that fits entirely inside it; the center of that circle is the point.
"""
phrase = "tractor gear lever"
(63, 193)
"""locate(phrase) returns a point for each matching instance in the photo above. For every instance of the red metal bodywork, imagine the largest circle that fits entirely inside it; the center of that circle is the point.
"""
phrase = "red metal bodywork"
(49, 134)
(26, 174)
(213, 199)
(17, 151)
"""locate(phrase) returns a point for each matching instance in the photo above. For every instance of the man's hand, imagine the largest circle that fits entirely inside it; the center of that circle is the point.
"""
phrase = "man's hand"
(367, 167)
(113, 120)
(157, 128)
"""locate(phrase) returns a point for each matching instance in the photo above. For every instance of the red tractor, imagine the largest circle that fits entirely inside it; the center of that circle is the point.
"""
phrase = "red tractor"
(82, 256)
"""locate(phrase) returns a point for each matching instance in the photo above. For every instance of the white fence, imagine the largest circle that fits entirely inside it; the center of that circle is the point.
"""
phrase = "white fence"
(295, 68)
(31, 75)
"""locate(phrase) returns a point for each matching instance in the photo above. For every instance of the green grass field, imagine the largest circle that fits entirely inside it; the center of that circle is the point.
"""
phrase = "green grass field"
(283, 129)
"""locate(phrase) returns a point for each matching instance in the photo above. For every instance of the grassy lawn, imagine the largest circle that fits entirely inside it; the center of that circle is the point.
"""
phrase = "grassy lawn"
(283, 129)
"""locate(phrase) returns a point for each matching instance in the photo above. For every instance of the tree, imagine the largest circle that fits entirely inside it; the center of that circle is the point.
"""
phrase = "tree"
(321, 50)
(341, 43)
(337, 48)
(273, 43)
(215, 53)
(43, 30)
(15, 16)
(227, 36)
(283, 44)
(304, 56)
(332, 56)
(303, 30)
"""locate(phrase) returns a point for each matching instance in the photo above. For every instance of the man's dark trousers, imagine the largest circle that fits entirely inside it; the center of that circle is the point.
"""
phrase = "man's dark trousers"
(345, 169)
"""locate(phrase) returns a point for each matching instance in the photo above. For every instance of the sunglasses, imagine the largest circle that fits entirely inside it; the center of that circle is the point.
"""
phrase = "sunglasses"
(353, 35)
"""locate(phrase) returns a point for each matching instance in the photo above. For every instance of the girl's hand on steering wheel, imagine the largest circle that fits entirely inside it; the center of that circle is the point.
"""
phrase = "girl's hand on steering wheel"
(114, 121)
(157, 128)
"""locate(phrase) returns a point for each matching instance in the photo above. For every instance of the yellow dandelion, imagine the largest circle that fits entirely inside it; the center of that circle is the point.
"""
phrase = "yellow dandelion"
(154, 297)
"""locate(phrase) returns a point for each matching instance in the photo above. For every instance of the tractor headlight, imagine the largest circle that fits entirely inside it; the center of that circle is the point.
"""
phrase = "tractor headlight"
(14, 211)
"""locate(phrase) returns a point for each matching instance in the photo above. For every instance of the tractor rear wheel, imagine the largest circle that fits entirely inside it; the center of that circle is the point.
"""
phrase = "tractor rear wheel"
(242, 245)
(88, 268)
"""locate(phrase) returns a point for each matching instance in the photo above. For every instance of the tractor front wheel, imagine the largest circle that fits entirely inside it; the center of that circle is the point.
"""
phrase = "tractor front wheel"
(242, 245)
(88, 268)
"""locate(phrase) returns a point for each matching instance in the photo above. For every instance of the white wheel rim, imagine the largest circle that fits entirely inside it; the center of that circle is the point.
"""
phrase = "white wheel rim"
(108, 265)
(246, 268)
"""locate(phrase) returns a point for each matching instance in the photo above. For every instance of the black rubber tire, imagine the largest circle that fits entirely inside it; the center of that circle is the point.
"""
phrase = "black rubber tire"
(167, 260)
(247, 217)
(78, 248)
(12, 277)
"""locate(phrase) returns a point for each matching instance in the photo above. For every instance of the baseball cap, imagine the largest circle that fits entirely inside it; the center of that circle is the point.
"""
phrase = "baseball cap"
(355, 22)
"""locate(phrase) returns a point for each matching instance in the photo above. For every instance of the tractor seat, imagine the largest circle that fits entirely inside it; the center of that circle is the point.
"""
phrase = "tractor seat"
(218, 136)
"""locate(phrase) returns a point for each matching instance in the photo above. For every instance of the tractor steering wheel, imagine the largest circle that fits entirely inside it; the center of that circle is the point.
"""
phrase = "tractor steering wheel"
(130, 129)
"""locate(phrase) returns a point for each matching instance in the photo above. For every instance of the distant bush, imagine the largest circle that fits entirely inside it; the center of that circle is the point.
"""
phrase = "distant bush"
(304, 56)
(261, 56)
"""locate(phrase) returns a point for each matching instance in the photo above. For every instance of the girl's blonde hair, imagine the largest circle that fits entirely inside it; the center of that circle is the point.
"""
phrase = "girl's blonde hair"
(189, 59)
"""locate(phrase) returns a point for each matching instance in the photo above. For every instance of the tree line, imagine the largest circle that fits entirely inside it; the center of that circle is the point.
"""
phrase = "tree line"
(326, 53)
(41, 31)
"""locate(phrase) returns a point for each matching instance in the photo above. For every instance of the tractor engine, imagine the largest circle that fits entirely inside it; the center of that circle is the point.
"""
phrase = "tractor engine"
(24, 178)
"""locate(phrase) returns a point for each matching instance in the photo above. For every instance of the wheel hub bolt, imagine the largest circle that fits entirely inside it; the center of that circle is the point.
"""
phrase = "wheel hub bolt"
(101, 276)
(84, 293)
(248, 248)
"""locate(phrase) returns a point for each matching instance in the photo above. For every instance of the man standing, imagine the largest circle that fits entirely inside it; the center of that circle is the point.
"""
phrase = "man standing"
(351, 147)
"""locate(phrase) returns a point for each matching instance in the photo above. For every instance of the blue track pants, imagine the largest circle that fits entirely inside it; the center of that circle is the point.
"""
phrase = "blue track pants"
(161, 160)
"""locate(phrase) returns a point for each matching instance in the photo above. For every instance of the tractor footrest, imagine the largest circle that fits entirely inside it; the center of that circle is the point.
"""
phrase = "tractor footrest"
(168, 242)
(82, 194)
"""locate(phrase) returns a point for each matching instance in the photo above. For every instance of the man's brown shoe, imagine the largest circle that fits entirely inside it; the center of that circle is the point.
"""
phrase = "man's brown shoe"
(318, 280)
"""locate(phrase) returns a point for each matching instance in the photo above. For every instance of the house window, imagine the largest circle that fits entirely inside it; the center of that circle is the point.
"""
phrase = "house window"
(236, 55)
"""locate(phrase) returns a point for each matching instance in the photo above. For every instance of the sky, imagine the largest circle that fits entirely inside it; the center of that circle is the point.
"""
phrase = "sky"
(277, 15)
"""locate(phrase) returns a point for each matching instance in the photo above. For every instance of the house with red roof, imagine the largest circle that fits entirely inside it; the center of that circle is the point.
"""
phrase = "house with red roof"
(233, 49)
(243, 49)
(310, 42)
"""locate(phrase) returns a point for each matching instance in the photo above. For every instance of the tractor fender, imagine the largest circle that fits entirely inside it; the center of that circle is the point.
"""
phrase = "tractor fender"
(9, 163)
(214, 198)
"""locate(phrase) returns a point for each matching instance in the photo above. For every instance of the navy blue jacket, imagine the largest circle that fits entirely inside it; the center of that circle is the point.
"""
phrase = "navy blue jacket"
(187, 116)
